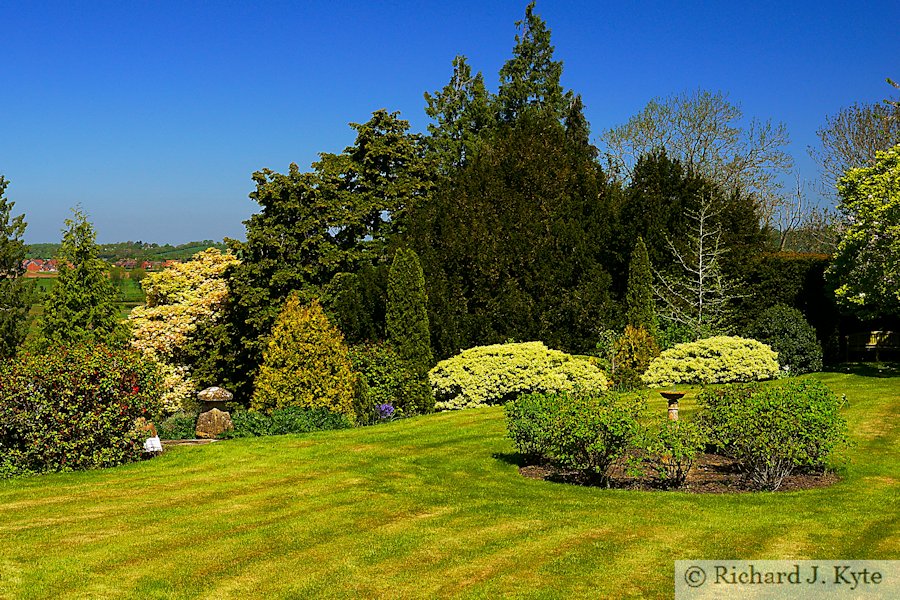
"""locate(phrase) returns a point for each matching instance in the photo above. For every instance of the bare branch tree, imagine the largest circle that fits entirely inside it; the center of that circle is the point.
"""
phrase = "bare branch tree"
(704, 131)
(699, 295)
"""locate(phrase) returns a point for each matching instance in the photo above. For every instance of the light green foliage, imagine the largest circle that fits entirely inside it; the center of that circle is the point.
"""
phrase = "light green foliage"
(81, 307)
(497, 373)
(306, 363)
(866, 267)
(721, 359)
(774, 431)
(181, 300)
(15, 293)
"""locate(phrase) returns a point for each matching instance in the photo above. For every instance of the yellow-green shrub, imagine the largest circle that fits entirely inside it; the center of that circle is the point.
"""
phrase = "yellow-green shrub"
(721, 359)
(497, 373)
(306, 363)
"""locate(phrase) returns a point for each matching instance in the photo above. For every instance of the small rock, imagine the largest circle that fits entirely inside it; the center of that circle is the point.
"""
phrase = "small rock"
(212, 423)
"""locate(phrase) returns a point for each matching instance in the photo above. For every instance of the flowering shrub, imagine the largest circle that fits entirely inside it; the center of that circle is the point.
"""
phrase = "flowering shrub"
(180, 299)
(494, 374)
(719, 359)
(74, 408)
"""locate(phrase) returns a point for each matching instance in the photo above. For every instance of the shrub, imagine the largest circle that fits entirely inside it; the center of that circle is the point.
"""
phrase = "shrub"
(306, 363)
(719, 359)
(529, 423)
(586, 433)
(592, 432)
(791, 336)
(74, 408)
(670, 450)
(283, 421)
(494, 374)
(774, 431)
(407, 316)
(388, 379)
(179, 426)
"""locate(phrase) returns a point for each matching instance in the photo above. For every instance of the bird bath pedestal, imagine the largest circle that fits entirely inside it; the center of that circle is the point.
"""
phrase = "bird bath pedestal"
(672, 397)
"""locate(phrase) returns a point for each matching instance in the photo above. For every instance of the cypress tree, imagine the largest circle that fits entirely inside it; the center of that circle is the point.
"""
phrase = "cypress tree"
(15, 294)
(641, 311)
(81, 307)
(407, 316)
(407, 324)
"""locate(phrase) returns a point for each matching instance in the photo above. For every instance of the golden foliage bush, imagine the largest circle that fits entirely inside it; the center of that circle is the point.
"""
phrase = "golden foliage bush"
(306, 363)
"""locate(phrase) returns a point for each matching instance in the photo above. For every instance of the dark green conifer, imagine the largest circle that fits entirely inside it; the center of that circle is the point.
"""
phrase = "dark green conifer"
(641, 311)
(15, 292)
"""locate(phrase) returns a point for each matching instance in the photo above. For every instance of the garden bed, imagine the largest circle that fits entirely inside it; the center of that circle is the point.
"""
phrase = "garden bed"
(711, 474)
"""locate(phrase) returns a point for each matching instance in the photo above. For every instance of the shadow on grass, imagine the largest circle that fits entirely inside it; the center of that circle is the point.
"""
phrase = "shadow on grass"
(879, 369)
(510, 458)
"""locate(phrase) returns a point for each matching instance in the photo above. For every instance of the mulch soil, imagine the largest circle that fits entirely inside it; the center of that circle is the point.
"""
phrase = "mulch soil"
(711, 474)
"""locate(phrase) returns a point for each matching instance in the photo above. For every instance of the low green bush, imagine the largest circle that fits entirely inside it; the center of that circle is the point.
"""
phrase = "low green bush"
(498, 373)
(774, 431)
(530, 422)
(294, 419)
(588, 433)
(670, 449)
(789, 334)
(386, 379)
(75, 408)
(721, 359)
(179, 426)
(634, 350)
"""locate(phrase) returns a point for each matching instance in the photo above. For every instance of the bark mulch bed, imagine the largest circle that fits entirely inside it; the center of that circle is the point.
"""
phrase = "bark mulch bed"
(711, 474)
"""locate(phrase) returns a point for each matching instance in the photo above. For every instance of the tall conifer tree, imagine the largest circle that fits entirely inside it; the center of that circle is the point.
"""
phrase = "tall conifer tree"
(641, 311)
(407, 317)
(15, 294)
(531, 77)
(81, 306)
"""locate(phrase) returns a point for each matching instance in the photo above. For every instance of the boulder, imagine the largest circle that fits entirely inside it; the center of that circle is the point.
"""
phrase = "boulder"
(213, 422)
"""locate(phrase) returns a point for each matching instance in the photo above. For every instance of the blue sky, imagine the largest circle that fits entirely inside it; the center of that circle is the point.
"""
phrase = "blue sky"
(153, 115)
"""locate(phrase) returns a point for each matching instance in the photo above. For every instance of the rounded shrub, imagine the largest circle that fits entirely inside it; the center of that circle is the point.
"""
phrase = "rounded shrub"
(306, 363)
(74, 408)
(721, 359)
(500, 372)
(791, 336)
(774, 431)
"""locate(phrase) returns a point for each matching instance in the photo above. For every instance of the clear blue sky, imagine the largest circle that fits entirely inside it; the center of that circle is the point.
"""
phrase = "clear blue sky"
(153, 115)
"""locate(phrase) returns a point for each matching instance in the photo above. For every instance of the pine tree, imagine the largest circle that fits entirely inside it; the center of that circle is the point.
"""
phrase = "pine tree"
(81, 306)
(15, 293)
(407, 325)
(531, 77)
(641, 311)
(305, 364)
(461, 111)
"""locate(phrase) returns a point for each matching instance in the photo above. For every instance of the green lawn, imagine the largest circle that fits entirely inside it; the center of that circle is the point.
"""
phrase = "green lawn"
(427, 507)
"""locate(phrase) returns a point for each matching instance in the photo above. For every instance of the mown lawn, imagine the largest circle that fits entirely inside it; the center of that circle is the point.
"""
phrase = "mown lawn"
(427, 507)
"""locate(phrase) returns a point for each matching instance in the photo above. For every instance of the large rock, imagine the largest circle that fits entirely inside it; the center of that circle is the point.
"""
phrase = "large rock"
(212, 423)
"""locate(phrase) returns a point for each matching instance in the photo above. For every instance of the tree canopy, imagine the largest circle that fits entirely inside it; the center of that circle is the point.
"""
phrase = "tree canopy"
(15, 293)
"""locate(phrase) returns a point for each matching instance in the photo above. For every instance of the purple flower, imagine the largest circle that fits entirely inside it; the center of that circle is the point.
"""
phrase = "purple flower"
(385, 411)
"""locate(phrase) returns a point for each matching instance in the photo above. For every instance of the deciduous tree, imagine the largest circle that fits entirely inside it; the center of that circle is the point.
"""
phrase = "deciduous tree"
(866, 269)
